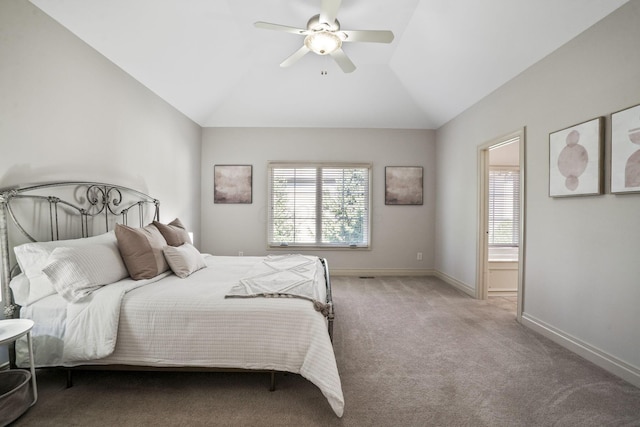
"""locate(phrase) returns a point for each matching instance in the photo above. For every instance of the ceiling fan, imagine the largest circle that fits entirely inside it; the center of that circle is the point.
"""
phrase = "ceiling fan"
(324, 37)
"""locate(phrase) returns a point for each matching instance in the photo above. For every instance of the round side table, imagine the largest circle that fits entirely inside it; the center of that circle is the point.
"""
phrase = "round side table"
(10, 331)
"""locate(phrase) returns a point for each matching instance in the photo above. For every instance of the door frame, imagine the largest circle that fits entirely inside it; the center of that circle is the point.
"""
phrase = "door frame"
(482, 267)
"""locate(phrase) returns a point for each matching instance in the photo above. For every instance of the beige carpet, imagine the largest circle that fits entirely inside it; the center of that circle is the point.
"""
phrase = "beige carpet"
(411, 352)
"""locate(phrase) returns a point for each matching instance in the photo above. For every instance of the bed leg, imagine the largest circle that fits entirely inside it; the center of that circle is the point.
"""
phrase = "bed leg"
(69, 379)
(273, 381)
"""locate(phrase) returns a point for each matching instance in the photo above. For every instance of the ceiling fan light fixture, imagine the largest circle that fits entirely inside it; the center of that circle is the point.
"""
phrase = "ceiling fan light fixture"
(323, 42)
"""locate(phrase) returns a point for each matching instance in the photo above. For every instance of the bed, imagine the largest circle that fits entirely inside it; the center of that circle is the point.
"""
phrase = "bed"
(98, 300)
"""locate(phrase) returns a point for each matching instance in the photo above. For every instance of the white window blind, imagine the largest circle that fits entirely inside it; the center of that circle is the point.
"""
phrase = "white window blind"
(504, 208)
(319, 205)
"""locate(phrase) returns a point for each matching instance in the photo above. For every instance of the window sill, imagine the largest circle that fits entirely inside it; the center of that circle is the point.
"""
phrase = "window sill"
(504, 260)
(318, 248)
(503, 254)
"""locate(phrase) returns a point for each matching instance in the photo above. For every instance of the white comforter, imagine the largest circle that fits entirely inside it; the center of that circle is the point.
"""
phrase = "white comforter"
(91, 329)
(188, 322)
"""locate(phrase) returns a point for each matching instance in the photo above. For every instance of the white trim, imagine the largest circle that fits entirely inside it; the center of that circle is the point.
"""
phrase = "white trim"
(522, 259)
(503, 293)
(317, 203)
(600, 358)
(503, 254)
(482, 290)
(305, 164)
(482, 261)
(381, 272)
(456, 284)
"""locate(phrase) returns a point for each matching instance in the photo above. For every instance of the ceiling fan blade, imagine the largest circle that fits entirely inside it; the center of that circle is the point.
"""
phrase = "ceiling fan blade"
(295, 57)
(372, 36)
(343, 60)
(278, 27)
(329, 11)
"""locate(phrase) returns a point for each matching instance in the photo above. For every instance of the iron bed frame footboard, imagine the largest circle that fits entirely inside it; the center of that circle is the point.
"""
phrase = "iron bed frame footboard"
(331, 314)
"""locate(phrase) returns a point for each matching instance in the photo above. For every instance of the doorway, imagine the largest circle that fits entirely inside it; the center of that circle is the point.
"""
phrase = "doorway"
(501, 219)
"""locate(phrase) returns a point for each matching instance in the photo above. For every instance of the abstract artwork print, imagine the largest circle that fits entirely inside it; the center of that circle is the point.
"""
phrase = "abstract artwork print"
(232, 183)
(575, 160)
(403, 185)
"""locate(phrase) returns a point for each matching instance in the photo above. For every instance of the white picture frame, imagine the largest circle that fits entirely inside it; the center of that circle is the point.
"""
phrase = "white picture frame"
(625, 151)
(576, 159)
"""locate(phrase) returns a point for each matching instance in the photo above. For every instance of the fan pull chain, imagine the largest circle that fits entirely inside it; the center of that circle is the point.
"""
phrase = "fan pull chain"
(325, 60)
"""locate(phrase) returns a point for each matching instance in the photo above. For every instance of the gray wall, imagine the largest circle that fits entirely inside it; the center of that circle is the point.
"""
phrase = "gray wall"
(582, 275)
(398, 232)
(66, 112)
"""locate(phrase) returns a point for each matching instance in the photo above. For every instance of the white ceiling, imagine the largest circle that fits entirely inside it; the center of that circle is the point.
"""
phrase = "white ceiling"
(207, 59)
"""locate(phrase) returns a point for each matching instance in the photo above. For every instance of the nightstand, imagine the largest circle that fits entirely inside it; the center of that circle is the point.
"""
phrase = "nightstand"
(10, 331)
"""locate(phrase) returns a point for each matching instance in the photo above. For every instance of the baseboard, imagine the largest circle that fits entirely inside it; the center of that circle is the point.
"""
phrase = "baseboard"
(401, 272)
(456, 283)
(380, 272)
(502, 293)
(598, 357)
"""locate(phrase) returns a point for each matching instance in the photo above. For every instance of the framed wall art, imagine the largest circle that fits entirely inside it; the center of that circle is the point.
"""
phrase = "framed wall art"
(625, 150)
(403, 185)
(232, 183)
(576, 159)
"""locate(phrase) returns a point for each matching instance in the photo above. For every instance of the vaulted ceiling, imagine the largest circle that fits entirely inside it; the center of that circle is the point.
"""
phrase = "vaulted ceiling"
(206, 58)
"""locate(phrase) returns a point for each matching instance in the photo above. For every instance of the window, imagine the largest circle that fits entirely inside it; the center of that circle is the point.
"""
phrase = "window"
(319, 205)
(504, 207)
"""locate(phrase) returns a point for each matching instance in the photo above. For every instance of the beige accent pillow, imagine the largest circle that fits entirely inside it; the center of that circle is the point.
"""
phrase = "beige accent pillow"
(184, 260)
(141, 250)
(174, 233)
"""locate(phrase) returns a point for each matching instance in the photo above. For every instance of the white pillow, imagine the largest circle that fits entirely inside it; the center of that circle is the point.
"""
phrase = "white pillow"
(184, 260)
(33, 257)
(20, 287)
(75, 272)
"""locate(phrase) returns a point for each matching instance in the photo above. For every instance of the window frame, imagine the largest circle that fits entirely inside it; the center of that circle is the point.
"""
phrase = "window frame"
(318, 245)
(497, 251)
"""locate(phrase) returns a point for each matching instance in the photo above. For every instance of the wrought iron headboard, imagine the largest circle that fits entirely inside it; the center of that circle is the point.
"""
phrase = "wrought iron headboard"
(64, 210)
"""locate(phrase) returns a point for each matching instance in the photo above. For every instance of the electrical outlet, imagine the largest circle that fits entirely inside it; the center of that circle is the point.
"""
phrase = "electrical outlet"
(419, 256)
(240, 253)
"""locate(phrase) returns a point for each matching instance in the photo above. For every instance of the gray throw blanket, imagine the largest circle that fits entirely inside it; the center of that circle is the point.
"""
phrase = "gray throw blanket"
(282, 276)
